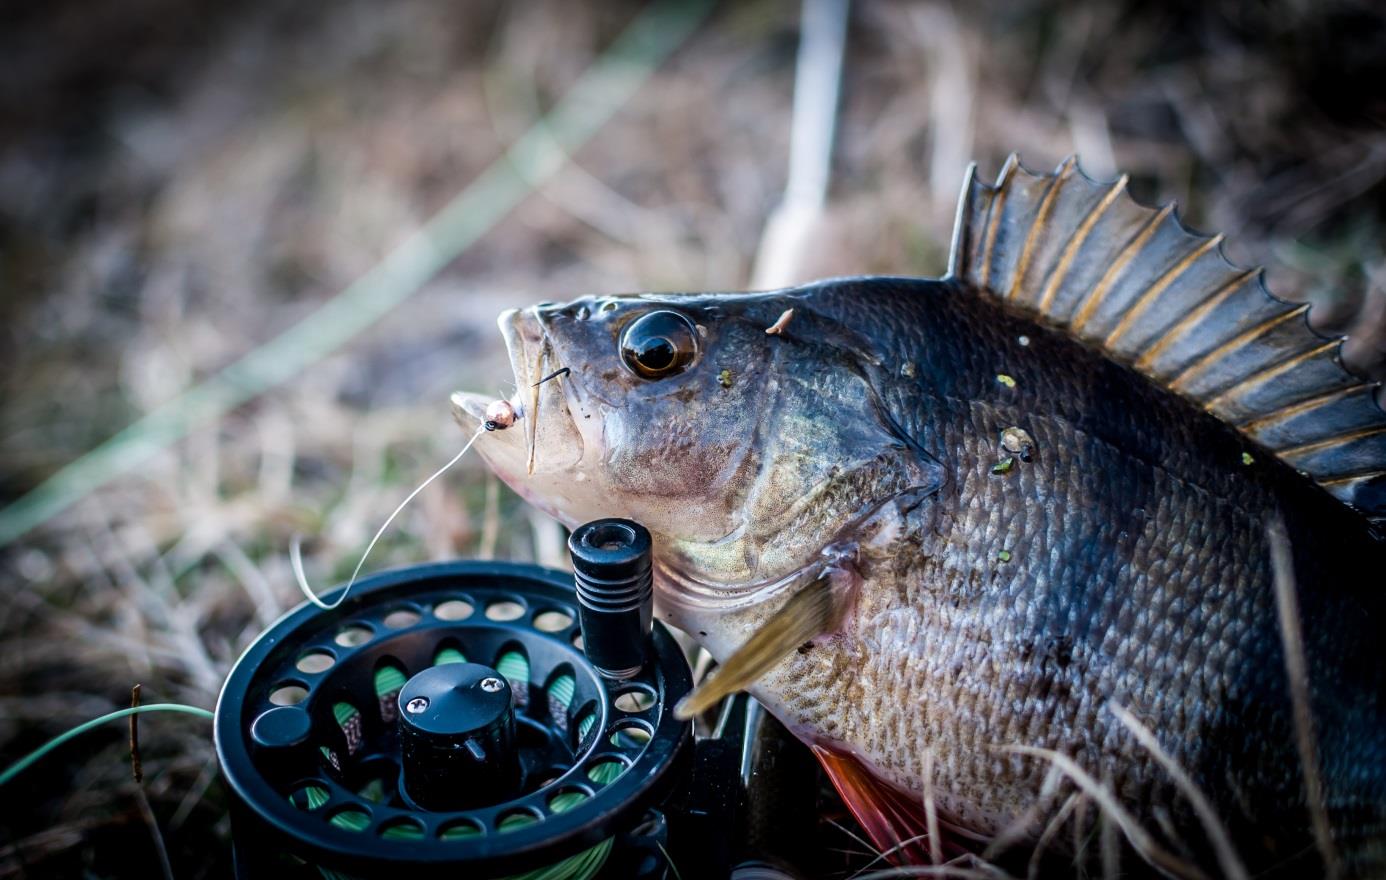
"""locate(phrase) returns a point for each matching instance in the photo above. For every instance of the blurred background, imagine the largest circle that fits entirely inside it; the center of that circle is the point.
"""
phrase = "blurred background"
(183, 180)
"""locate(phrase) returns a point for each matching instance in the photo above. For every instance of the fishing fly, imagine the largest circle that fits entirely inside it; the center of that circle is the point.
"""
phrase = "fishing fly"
(499, 416)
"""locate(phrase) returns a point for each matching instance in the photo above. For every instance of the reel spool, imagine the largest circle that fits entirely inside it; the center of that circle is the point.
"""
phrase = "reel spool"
(446, 717)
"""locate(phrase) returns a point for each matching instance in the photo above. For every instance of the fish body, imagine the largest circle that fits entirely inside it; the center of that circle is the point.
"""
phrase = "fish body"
(1024, 541)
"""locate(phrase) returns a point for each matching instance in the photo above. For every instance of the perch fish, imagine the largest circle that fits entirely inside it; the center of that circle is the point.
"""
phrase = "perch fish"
(915, 563)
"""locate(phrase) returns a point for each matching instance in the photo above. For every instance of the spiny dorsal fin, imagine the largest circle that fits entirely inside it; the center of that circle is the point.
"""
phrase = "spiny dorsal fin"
(1135, 282)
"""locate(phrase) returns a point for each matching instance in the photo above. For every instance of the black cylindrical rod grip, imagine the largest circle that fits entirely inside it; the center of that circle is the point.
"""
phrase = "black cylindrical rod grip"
(615, 591)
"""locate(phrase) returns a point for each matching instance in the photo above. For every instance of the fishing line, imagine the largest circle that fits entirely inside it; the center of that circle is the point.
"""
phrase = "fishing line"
(37, 754)
(388, 681)
(296, 550)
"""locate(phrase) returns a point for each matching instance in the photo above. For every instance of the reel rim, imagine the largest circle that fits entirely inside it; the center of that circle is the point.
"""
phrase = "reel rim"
(556, 833)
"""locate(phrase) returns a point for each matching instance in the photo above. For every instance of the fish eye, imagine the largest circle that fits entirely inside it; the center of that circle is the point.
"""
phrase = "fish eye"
(659, 345)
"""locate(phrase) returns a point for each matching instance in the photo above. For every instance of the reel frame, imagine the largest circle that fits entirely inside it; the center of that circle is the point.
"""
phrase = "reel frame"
(270, 752)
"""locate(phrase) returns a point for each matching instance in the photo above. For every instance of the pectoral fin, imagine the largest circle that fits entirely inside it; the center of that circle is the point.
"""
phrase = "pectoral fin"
(807, 614)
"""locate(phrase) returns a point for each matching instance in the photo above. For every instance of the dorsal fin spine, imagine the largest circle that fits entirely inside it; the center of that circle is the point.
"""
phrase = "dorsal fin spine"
(1071, 249)
(1171, 274)
(1041, 216)
(1123, 259)
(1198, 313)
(1348, 437)
(1375, 473)
(994, 215)
(1271, 371)
(1181, 381)
(1303, 406)
(1167, 301)
(957, 247)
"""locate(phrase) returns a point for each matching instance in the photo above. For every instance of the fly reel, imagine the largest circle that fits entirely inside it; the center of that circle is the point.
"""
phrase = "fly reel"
(450, 716)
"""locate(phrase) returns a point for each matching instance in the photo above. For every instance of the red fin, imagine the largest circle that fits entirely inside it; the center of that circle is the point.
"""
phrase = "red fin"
(895, 822)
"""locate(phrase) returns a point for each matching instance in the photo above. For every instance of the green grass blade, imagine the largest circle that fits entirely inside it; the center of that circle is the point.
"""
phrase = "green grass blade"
(537, 156)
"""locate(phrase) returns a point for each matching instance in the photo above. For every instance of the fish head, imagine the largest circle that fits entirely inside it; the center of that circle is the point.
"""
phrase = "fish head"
(745, 453)
(655, 419)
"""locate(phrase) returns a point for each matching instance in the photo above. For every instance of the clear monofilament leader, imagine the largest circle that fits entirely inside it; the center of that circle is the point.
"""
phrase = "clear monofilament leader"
(501, 414)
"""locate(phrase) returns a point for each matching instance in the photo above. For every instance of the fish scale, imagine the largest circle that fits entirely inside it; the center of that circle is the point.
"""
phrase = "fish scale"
(1153, 640)
(975, 727)
(1156, 639)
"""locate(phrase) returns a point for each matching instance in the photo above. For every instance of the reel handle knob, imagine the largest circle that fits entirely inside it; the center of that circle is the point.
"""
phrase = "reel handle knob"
(457, 737)
(615, 590)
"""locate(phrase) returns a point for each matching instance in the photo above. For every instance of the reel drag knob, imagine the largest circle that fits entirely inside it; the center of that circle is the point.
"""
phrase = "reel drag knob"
(615, 591)
(457, 737)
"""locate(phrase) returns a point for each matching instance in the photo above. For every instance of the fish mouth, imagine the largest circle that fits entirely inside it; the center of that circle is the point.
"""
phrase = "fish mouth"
(543, 418)
(525, 343)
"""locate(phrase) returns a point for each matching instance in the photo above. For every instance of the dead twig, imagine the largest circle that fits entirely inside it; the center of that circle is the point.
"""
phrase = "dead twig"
(1228, 859)
(141, 799)
(136, 767)
(1296, 670)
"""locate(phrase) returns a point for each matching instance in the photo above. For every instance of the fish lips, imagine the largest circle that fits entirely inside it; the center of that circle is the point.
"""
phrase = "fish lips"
(544, 437)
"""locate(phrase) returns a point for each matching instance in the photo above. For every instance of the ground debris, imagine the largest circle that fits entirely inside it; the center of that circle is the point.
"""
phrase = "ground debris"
(777, 328)
(1017, 441)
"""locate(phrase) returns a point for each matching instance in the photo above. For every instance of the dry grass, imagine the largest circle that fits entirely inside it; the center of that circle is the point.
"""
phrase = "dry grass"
(178, 181)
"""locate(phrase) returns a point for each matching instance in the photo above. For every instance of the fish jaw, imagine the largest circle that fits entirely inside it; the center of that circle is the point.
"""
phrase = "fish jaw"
(504, 450)
(543, 456)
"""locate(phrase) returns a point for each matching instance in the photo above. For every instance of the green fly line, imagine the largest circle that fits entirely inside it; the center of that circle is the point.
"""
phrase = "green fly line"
(389, 681)
(585, 725)
(582, 866)
(560, 693)
(560, 690)
(447, 655)
(37, 754)
(515, 667)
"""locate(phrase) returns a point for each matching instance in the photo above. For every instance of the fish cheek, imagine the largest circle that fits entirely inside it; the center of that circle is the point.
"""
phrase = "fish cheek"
(679, 465)
(670, 459)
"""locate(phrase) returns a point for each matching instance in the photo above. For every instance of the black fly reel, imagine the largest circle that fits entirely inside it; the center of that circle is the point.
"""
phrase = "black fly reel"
(447, 716)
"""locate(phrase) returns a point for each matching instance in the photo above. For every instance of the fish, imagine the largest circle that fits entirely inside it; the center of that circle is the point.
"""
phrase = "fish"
(1084, 536)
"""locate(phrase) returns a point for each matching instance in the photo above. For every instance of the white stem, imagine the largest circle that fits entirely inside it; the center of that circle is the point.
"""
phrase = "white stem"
(817, 80)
